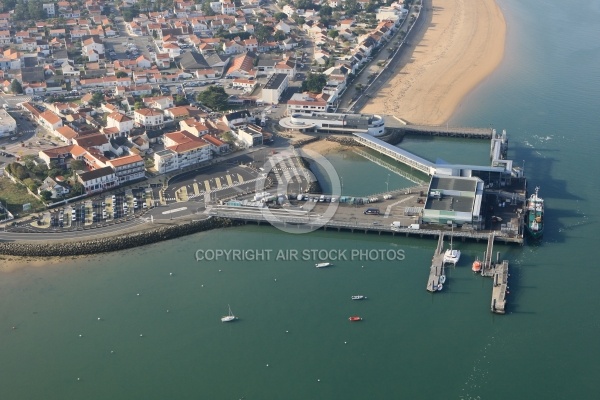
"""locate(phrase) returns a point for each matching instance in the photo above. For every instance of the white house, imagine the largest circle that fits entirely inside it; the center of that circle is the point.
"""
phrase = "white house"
(98, 179)
(148, 117)
(120, 121)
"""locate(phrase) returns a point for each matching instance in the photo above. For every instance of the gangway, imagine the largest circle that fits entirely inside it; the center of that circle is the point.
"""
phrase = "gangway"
(403, 156)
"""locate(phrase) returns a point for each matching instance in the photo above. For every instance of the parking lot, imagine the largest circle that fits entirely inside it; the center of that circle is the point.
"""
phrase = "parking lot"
(99, 211)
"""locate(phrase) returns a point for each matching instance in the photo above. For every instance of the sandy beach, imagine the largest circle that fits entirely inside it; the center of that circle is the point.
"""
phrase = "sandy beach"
(462, 45)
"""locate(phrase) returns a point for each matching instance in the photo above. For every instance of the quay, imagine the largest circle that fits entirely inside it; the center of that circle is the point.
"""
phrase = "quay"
(436, 271)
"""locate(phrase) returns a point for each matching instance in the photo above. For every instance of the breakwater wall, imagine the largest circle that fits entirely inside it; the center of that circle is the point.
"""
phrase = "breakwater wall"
(116, 243)
(344, 141)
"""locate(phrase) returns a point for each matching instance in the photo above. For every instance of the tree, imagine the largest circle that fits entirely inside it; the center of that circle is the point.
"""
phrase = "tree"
(46, 195)
(16, 87)
(97, 99)
(299, 19)
(279, 35)
(206, 9)
(77, 165)
(280, 16)
(262, 33)
(121, 74)
(325, 12)
(138, 104)
(77, 188)
(214, 97)
(314, 83)
(333, 33)
(180, 100)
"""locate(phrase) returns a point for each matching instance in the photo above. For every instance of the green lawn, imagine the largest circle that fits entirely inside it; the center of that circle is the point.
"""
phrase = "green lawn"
(14, 196)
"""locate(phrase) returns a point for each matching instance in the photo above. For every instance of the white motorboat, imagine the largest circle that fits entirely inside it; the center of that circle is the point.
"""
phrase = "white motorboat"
(323, 265)
(230, 317)
(359, 297)
(440, 287)
(442, 279)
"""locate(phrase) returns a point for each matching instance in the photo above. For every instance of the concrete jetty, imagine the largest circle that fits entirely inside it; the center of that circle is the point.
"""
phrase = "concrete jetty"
(500, 288)
(499, 273)
(436, 271)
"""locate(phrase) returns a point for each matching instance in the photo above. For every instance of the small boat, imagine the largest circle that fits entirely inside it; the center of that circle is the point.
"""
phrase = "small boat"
(355, 318)
(230, 317)
(323, 265)
(359, 297)
(442, 279)
(440, 287)
(476, 266)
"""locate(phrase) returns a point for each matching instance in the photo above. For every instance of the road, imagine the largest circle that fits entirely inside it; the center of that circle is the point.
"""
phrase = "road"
(350, 101)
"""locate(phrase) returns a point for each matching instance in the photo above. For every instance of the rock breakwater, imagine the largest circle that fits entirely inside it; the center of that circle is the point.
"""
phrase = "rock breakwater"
(109, 244)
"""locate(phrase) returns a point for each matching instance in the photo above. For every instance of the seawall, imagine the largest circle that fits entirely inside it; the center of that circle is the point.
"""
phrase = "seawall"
(116, 243)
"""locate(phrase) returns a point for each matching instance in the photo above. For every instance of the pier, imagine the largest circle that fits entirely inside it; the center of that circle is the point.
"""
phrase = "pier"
(499, 274)
(393, 122)
(436, 271)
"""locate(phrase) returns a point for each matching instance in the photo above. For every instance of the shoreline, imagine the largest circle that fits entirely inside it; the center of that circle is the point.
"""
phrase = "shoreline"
(462, 44)
(440, 75)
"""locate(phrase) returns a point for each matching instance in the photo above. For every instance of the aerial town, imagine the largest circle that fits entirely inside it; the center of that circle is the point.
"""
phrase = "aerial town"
(98, 94)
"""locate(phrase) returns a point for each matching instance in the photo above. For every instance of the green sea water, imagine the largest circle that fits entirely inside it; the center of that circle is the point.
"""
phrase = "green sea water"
(293, 339)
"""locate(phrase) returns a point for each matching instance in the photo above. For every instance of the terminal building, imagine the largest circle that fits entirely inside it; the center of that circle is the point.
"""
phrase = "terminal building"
(373, 125)
(454, 200)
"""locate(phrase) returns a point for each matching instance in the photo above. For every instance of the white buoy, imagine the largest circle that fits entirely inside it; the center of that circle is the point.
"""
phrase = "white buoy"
(201, 285)
(141, 335)
(170, 274)
(138, 294)
(99, 319)
(275, 279)
(267, 365)
(219, 270)
(78, 379)
(167, 310)
(112, 352)
(318, 380)
(287, 331)
(345, 342)
(80, 335)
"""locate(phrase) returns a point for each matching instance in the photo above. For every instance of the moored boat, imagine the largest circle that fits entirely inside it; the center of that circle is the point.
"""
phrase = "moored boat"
(323, 265)
(476, 266)
(534, 223)
(451, 256)
(355, 318)
(442, 279)
(359, 297)
(229, 317)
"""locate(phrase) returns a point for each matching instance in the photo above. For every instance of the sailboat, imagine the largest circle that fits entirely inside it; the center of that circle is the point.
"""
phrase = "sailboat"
(230, 317)
(451, 256)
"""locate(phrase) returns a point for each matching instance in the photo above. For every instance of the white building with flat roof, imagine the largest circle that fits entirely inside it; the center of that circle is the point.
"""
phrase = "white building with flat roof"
(8, 124)
(371, 124)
